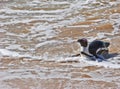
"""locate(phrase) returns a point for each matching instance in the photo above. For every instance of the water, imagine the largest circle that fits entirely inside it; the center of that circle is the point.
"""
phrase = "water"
(38, 37)
(29, 25)
(31, 28)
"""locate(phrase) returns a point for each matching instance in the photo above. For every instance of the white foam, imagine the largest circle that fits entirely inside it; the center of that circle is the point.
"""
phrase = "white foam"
(5, 52)
(90, 1)
(101, 35)
(41, 31)
(26, 56)
(2, 30)
(115, 20)
(88, 31)
(10, 11)
(6, 86)
(106, 64)
(45, 43)
(14, 46)
(59, 2)
(69, 59)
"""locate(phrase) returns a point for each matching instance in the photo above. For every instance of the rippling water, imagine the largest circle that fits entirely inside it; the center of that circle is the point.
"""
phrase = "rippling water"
(38, 37)
(28, 25)
(32, 28)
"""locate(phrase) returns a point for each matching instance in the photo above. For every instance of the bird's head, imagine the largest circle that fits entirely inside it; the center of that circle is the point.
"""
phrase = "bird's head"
(83, 42)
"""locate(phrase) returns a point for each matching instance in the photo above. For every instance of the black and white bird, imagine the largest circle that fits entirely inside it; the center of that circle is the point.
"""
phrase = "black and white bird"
(95, 49)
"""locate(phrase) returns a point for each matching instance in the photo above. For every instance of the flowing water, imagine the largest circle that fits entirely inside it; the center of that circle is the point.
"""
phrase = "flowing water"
(47, 30)
(28, 27)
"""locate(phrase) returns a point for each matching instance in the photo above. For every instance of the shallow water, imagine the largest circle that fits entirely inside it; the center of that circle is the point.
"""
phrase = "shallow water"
(42, 35)
(42, 29)
(35, 74)
(27, 26)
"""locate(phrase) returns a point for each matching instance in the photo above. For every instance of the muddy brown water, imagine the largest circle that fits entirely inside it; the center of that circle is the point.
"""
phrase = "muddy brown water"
(23, 27)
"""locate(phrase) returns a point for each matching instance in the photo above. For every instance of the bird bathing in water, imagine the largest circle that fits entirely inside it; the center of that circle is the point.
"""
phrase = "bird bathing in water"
(95, 50)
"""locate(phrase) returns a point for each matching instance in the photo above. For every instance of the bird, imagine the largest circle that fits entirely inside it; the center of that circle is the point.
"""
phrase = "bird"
(95, 49)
